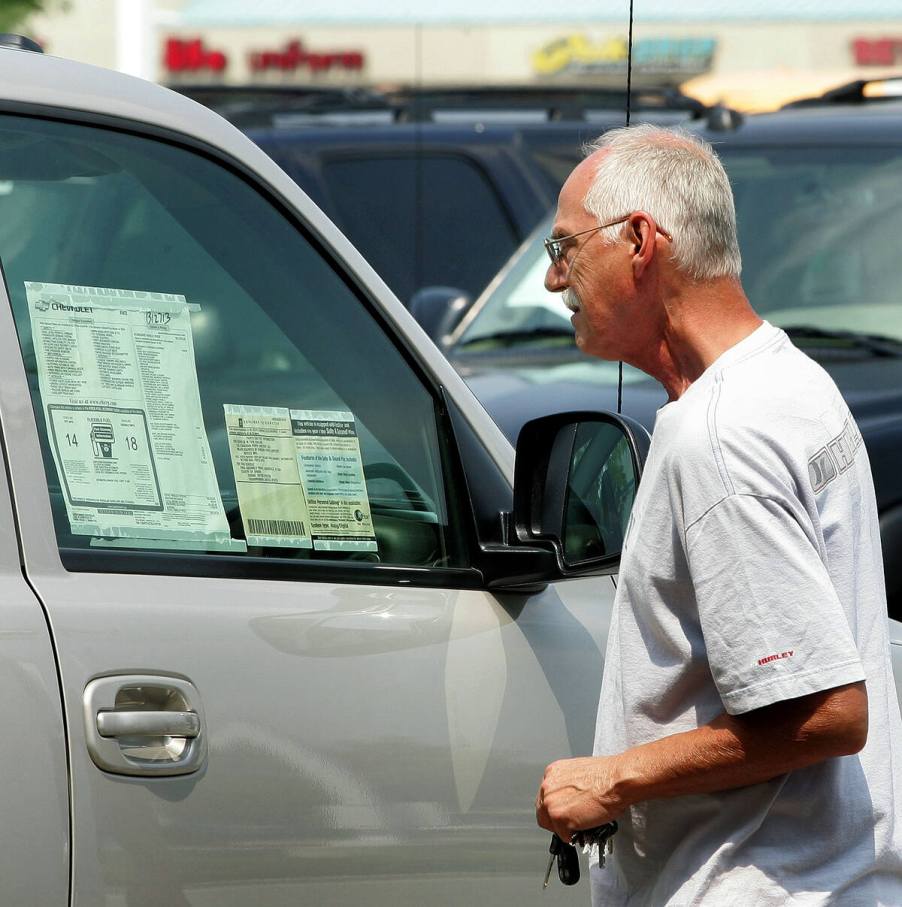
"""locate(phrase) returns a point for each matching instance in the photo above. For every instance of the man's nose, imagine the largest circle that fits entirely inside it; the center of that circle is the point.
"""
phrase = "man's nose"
(556, 278)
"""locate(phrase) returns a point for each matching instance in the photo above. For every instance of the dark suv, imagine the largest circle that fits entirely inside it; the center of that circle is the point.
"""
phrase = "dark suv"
(819, 205)
(436, 188)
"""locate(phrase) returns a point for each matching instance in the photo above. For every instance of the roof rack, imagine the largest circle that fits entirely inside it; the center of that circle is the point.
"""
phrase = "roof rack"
(861, 91)
(259, 106)
(549, 102)
(256, 106)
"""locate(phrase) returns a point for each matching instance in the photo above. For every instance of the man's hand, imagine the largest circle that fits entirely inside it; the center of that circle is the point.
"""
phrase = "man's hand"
(577, 794)
(732, 751)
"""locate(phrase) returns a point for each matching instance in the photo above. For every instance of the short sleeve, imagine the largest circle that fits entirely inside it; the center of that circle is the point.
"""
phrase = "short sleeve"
(773, 626)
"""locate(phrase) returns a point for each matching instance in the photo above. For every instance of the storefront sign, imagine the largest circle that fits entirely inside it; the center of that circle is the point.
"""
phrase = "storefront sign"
(295, 56)
(577, 55)
(191, 55)
(877, 51)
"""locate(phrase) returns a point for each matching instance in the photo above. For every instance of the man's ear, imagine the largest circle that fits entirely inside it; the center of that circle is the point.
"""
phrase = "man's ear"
(642, 236)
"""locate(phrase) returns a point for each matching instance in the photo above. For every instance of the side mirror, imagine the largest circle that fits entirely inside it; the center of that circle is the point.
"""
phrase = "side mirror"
(439, 310)
(575, 481)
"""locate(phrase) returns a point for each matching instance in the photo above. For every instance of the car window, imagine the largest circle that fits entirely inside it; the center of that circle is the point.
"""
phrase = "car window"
(817, 230)
(203, 380)
(518, 301)
(427, 220)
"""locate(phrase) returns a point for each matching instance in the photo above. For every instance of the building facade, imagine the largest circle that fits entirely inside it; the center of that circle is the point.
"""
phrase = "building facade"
(304, 43)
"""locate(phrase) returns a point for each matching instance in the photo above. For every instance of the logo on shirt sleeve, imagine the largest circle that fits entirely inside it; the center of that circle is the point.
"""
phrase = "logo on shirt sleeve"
(836, 457)
(821, 470)
(769, 658)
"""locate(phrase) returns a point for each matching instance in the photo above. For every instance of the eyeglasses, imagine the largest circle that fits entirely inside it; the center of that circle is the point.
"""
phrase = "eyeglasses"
(554, 245)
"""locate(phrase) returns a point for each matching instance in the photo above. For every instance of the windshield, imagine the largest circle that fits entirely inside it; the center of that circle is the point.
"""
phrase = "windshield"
(818, 230)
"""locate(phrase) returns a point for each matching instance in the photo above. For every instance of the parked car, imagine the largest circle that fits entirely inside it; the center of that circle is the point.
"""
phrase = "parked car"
(818, 201)
(435, 187)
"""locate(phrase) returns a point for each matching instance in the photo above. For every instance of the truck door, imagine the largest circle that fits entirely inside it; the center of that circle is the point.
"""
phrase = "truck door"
(241, 508)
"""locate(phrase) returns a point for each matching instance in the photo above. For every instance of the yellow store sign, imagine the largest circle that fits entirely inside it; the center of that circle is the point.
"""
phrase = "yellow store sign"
(576, 54)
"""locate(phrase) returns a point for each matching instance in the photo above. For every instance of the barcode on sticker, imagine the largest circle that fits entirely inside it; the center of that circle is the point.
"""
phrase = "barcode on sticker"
(276, 527)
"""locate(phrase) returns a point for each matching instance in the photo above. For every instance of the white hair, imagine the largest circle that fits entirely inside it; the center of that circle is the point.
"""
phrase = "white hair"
(676, 178)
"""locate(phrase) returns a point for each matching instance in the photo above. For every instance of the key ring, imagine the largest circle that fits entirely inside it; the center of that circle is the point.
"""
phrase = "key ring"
(599, 835)
(568, 859)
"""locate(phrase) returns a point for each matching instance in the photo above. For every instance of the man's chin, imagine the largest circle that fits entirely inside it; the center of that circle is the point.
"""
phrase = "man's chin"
(596, 349)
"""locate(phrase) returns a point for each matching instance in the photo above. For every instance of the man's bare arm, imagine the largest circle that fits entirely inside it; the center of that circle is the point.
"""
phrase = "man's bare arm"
(732, 751)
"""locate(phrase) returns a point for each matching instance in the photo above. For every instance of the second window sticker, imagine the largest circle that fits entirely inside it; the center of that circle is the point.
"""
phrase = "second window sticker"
(299, 477)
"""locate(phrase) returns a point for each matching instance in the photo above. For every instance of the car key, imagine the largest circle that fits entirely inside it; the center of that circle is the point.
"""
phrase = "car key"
(567, 858)
(567, 862)
(553, 850)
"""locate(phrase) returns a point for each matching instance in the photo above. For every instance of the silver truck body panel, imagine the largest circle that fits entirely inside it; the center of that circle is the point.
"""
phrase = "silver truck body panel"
(34, 788)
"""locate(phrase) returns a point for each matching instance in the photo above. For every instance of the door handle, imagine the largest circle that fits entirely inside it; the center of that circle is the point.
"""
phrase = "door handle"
(148, 724)
(144, 724)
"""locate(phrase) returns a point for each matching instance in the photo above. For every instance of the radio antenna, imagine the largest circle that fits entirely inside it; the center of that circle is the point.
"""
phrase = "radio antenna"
(629, 96)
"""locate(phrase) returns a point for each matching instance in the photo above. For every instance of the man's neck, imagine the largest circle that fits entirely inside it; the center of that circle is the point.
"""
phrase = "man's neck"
(699, 322)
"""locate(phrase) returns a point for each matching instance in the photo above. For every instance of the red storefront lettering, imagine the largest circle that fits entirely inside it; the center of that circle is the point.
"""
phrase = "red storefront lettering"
(190, 55)
(295, 56)
(876, 51)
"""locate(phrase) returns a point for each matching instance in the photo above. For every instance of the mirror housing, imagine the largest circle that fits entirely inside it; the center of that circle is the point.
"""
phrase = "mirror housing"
(438, 310)
(575, 480)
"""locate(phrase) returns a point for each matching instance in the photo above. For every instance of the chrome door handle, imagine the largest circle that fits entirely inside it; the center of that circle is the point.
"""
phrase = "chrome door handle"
(148, 724)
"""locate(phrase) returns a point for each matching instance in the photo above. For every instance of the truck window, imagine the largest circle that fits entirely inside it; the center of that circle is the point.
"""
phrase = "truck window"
(204, 381)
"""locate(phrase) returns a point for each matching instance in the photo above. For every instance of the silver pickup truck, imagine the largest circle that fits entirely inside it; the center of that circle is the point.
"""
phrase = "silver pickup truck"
(280, 623)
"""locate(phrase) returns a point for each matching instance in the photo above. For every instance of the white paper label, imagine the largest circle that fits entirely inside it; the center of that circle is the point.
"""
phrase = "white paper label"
(264, 460)
(119, 386)
(299, 476)
(332, 473)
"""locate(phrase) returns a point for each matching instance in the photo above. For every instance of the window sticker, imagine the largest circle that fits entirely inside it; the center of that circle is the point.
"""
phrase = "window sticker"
(299, 476)
(331, 469)
(119, 386)
(264, 459)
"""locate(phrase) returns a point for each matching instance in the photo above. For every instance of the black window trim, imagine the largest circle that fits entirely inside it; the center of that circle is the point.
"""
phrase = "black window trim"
(230, 566)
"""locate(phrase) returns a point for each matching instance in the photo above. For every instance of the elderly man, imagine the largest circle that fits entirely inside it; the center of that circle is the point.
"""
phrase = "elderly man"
(748, 740)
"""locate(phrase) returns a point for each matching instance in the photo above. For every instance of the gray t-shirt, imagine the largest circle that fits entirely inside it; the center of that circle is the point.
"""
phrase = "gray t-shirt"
(751, 574)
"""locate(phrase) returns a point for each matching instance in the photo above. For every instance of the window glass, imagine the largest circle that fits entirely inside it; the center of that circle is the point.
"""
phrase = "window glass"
(203, 380)
(601, 488)
(428, 221)
(519, 301)
(817, 229)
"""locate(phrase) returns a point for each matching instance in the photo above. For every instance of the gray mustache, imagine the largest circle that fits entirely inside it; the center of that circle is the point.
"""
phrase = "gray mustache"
(571, 300)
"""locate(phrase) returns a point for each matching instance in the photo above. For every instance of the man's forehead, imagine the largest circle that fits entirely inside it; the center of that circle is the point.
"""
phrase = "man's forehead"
(570, 207)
